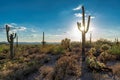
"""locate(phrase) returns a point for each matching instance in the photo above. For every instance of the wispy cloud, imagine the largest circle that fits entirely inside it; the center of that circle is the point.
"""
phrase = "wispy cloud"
(32, 30)
(34, 35)
(22, 28)
(15, 27)
(78, 15)
(92, 17)
(77, 8)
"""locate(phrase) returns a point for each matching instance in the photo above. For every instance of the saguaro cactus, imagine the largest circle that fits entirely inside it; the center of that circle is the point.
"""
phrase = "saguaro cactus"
(90, 38)
(10, 39)
(84, 29)
(43, 41)
(16, 40)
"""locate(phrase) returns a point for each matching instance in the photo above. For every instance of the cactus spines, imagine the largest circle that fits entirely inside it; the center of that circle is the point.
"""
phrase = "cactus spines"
(43, 41)
(10, 39)
(84, 29)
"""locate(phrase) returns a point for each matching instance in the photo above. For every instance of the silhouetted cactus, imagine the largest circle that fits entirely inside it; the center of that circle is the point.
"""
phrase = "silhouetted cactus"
(84, 29)
(16, 40)
(116, 41)
(10, 39)
(66, 44)
(43, 41)
(90, 38)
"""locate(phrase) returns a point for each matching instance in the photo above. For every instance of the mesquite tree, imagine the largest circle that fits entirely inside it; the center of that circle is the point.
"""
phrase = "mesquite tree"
(84, 29)
(10, 39)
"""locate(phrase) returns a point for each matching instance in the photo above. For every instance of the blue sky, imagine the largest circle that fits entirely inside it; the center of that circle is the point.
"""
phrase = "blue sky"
(57, 18)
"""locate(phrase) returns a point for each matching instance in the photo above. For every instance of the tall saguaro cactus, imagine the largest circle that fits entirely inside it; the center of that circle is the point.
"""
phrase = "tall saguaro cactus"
(84, 29)
(16, 40)
(90, 38)
(10, 39)
(43, 41)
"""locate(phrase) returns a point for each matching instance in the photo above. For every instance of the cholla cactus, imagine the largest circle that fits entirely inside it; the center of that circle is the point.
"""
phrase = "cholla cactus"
(92, 51)
(66, 43)
(105, 47)
(84, 29)
(10, 38)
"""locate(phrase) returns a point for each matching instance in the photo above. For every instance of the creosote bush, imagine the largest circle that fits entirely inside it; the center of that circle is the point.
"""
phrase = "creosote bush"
(65, 67)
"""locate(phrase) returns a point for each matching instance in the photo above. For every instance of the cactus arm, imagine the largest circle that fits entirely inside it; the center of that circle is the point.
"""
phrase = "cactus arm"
(14, 36)
(88, 24)
(79, 25)
(7, 31)
(83, 16)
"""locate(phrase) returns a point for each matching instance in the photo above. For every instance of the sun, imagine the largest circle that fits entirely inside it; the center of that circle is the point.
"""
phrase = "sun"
(76, 34)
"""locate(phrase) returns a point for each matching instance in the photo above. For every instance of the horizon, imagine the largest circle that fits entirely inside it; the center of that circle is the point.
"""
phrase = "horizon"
(58, 19)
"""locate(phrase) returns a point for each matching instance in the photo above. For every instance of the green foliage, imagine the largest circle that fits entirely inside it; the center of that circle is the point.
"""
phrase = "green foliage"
(75, 44)
(115, 49)
(4, 48)
(100, 42)
(58, 50)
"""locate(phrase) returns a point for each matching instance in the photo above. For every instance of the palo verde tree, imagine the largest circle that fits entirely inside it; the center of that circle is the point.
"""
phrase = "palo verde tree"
(10, 39)
(84, 29)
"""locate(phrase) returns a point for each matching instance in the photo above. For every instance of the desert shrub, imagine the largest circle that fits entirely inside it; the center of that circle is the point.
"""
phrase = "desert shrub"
(46, 73)
(42, 58)
(66, 66)
(115, 49)
(88, 45)
(47, 49)
(58, 50)
(116, 69)
(103, 41)
(4, 48)
(75, 44)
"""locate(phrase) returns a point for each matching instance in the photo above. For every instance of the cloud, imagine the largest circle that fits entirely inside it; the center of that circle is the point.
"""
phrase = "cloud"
(15, 27)
(78, 15)
(34, 35)
(22, 28)
(32, 30)
(92, 17)
(77, 8)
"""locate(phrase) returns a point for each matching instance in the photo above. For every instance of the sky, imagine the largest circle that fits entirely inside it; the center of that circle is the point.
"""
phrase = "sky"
(58, 19)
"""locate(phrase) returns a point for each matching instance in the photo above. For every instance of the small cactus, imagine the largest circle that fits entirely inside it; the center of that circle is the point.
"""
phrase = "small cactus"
(10, 39)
